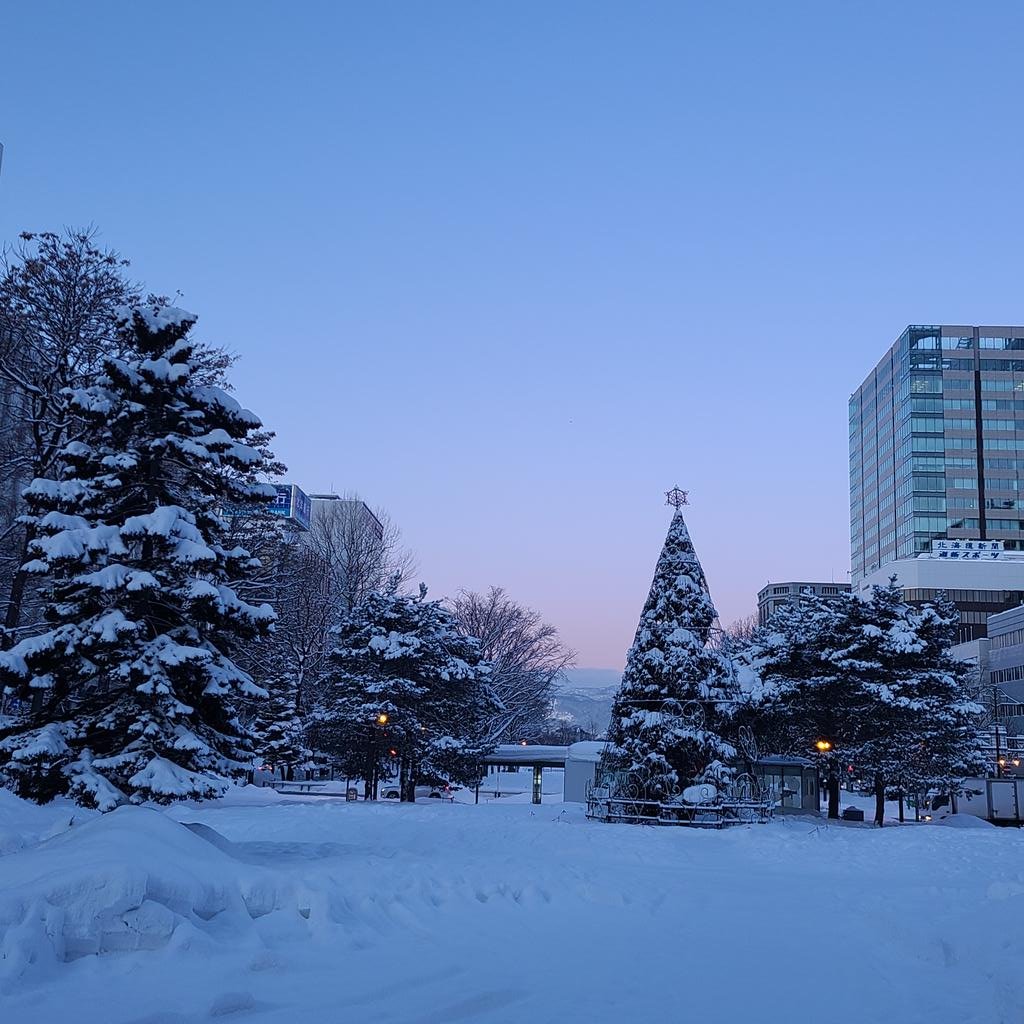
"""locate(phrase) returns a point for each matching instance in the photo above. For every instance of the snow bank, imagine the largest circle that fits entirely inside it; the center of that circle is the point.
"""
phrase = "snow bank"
(964, 821)
(287, 910)
(130, 880)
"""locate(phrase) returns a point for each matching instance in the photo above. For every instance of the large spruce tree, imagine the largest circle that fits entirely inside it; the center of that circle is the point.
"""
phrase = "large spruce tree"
(873, 677)
(408, 693)
(130, 692)
(923, 724)
(676, 691)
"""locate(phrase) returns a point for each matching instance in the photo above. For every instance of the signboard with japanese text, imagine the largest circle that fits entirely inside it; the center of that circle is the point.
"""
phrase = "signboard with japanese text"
(974, 550)
(289, 502)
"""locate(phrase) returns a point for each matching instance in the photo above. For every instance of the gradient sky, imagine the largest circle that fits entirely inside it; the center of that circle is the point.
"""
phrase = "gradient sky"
(513, 270)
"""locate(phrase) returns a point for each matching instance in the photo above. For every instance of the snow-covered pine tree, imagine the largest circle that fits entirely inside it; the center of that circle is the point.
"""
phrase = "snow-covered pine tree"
(407, 692)
(676, 691)
(795, 694)
(285, 663)
(278, 731)
(920, 727)
(132, 687)
(872, 676)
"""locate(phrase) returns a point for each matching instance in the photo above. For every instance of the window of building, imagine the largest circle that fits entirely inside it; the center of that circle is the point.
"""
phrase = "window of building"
(925, 384)
(1006, 344)
(1002, 365)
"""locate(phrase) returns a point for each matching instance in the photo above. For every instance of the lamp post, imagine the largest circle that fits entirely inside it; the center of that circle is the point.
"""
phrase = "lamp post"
(372, 780)
(824, 747)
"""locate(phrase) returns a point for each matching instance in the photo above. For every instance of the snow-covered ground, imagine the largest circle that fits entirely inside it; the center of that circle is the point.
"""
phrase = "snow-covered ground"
(288, 910)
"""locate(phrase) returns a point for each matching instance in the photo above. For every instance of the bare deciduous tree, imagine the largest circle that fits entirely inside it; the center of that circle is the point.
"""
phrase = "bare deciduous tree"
(526, 654)
(59, 296)
(740, 632)
(362, 549)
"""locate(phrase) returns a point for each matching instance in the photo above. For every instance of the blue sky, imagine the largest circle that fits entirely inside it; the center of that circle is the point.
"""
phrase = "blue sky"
(513, 270)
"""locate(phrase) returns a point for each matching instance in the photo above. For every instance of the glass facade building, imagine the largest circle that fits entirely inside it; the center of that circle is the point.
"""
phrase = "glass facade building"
(937, 444)
(937, 452)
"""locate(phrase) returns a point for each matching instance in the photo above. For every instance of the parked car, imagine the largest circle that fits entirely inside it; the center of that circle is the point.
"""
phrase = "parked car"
(390, 790)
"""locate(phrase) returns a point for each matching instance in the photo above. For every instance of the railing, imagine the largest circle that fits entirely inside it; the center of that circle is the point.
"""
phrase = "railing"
(743, 806)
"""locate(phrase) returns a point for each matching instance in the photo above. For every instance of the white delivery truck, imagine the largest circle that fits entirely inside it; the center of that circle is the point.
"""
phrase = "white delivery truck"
(1000, 801)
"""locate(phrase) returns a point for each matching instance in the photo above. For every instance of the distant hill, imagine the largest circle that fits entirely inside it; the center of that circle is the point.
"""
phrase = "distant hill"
(584, 699)
(591, 678)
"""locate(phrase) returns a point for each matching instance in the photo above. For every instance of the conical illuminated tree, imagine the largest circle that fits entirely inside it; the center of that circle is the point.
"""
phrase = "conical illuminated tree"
(676, 691)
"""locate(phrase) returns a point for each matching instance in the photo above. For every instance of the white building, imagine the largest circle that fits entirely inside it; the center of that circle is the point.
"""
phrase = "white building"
(980, 581)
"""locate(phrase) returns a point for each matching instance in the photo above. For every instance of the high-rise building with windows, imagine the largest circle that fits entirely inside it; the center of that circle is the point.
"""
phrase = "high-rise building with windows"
(937, 466)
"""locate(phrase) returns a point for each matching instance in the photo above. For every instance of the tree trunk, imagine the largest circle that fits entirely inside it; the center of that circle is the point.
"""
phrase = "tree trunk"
(833, 794)
(901, 806)
(368, 782)
(879, 799)
(409, 782)
(12, 616)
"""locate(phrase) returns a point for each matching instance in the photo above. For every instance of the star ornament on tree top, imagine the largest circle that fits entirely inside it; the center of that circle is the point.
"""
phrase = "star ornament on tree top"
(676, 498)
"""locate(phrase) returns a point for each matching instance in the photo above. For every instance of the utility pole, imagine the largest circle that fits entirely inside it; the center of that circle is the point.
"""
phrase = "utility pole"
(995, 725)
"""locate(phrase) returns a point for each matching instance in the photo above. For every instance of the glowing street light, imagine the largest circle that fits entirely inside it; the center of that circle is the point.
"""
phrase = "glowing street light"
(382, 718)
(823, 746)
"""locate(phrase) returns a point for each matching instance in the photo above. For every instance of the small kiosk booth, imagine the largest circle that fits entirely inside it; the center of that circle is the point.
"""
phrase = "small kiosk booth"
(791, 783)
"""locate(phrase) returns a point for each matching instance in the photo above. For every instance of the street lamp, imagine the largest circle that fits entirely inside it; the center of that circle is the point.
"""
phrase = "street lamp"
(371, 755)
(823, 746)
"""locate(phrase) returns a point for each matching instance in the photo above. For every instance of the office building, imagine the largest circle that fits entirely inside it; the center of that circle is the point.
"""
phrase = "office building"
(290, 503)
(937, 469)
(353, 512)
(998, 686)
(771, 597)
